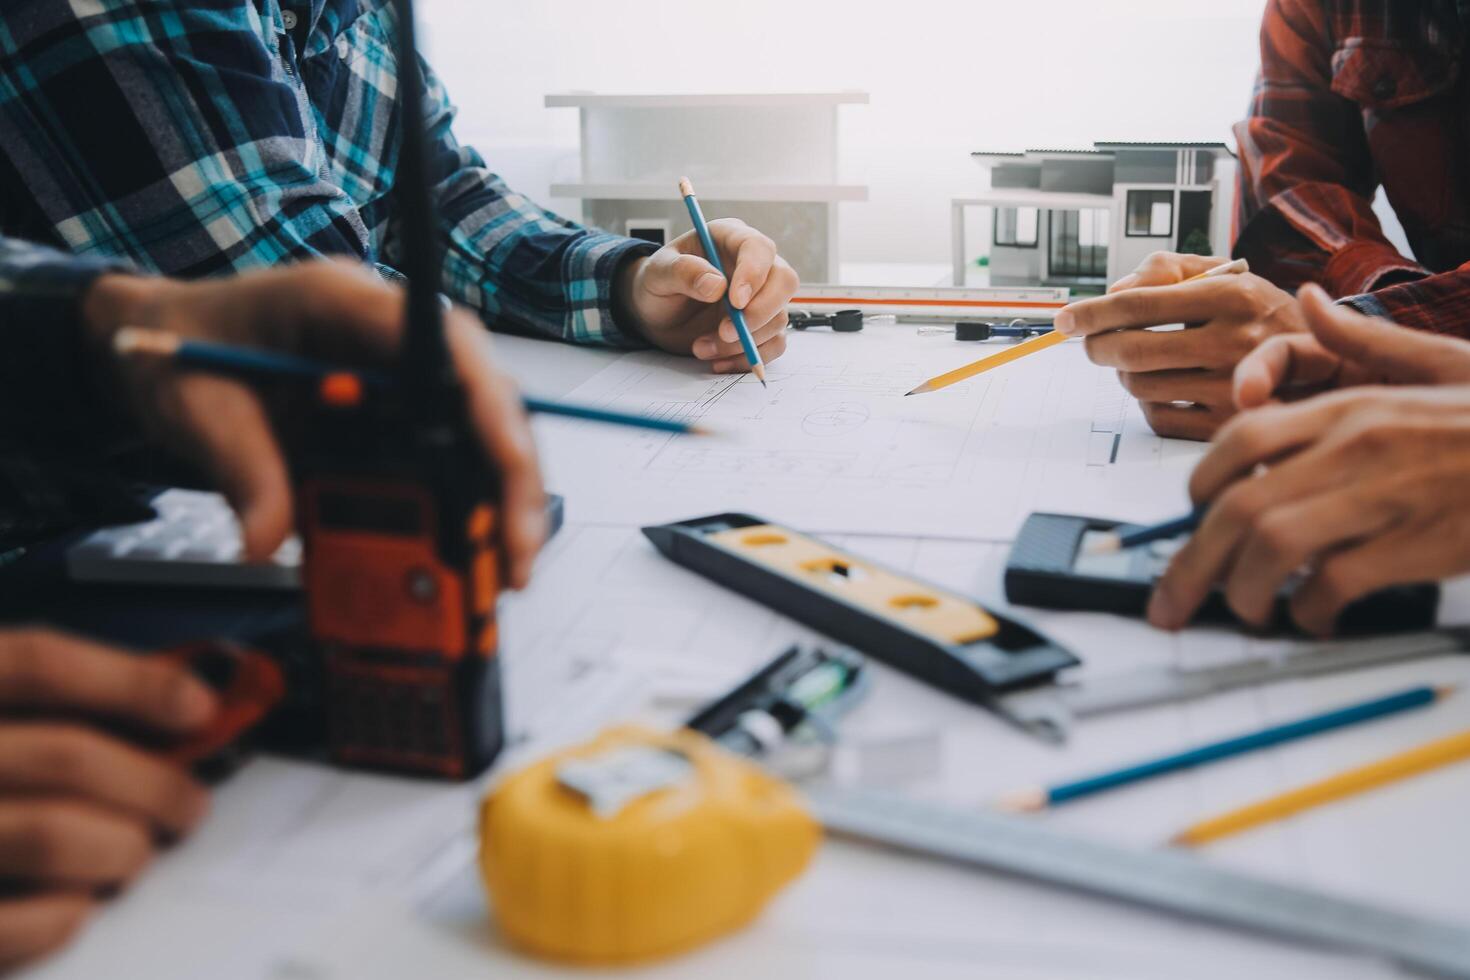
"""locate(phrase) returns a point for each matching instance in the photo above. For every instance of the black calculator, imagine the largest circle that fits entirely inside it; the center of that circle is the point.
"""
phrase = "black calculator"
(1053, 566)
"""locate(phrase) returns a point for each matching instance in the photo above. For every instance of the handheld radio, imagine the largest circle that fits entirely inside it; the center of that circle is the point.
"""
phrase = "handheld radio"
(399, 516)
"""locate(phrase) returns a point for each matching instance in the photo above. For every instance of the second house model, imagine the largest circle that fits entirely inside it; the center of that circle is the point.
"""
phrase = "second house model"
(1085, 218)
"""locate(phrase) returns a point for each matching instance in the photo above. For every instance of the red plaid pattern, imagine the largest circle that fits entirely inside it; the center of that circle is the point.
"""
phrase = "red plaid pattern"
(1354, 95)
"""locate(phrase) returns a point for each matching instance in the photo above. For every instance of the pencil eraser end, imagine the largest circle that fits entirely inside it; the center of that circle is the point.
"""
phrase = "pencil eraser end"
(1023, 801)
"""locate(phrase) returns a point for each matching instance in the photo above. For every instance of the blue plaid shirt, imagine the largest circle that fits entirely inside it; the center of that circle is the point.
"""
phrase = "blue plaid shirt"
(202, 137)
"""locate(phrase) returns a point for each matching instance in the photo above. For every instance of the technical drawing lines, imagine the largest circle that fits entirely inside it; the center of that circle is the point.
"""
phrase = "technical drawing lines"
(835, 420)
(692, 411)
(1109, 416)
(893, 383)
(797, 463)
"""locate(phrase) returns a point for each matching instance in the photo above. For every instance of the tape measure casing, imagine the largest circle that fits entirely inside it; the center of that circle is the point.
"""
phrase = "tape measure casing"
(673, 868)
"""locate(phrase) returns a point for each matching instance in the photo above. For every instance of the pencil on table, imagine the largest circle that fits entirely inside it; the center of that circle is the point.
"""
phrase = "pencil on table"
(1434, 755)
(1041, 798)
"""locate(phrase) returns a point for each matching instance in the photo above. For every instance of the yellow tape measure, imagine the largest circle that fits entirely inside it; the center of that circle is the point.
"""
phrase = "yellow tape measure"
(637, 845)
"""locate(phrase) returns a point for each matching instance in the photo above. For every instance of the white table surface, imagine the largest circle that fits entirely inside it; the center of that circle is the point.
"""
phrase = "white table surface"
(250, 898)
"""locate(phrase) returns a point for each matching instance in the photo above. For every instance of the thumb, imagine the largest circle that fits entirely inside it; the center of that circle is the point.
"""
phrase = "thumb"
(1390, 353)
(670, 273)
(225, 428)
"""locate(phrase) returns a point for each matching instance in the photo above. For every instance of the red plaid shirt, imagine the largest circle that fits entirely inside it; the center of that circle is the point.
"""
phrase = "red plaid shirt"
(1353, 95)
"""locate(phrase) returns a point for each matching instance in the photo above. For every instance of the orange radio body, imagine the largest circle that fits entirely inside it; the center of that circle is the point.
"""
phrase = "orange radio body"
(400, 522)
(402, 573)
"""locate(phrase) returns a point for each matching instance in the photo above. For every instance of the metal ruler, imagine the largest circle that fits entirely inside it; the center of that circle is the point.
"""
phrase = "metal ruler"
(947, 303)
(1172, 881)
(1052, 711)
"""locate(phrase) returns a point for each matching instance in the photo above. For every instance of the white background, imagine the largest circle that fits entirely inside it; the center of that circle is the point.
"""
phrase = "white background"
(946, 77)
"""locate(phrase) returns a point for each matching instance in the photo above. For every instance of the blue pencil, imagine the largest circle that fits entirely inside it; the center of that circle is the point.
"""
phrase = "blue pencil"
(1135, 537)
(249, 362)
(737, 317)
(1041, 798)
(539, 406)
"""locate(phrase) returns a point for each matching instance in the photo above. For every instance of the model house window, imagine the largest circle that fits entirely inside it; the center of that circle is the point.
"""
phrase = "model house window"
(1150, 214)
(1016, 227)
(1078, 246)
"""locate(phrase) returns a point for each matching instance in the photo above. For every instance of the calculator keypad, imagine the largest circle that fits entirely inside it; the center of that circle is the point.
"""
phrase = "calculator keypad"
(194, 541)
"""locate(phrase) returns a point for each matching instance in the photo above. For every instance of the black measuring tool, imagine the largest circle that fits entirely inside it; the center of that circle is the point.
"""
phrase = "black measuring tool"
(940, 637)
(1056, 563)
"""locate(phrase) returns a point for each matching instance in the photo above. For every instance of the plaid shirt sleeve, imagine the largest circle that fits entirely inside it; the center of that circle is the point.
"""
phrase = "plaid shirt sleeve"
(47, 403)
(1306, 177)
(205, 138)
(1439, 303)
(510, 259)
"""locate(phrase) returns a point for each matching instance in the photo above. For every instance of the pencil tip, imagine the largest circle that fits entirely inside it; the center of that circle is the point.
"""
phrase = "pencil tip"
(1108, 545)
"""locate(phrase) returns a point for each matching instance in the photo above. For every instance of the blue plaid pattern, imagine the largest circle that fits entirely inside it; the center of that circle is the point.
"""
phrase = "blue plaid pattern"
(203, 137)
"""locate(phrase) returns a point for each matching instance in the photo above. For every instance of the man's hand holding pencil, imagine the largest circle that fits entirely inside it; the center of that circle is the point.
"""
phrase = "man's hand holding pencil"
(682, 300)
(1182, 378)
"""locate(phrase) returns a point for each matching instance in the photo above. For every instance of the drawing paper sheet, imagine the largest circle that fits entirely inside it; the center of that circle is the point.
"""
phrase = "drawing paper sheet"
(606, 597)
(834, 446)
(308, 873)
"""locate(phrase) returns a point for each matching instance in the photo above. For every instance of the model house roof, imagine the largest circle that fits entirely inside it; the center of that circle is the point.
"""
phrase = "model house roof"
(1099, 151)
(1126, 145)
(1041, 154)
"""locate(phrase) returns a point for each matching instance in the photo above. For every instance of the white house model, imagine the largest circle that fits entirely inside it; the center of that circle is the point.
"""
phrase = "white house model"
(771, 159)
(1084, 218)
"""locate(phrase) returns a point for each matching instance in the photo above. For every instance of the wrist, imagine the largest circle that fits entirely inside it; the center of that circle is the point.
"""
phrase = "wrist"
(625, 288)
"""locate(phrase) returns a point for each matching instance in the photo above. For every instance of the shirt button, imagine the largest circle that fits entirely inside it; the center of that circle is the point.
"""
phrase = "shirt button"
(288, 19)
(344, 50)
(1384, 88)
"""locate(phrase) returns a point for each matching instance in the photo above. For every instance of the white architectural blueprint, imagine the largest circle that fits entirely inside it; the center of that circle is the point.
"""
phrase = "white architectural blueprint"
(834, 446)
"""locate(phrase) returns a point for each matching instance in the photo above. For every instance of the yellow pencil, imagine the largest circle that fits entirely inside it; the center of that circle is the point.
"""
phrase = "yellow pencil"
(1045, 341)
(1456, 748)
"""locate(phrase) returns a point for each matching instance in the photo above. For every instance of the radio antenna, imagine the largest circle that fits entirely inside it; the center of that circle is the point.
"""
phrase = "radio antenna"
(427, 374)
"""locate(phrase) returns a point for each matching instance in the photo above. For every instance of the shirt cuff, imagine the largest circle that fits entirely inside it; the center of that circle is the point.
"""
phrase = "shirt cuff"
(1361, 266)
(1440, 304)
(45, 382)
(592, 308)
(1366, 304)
